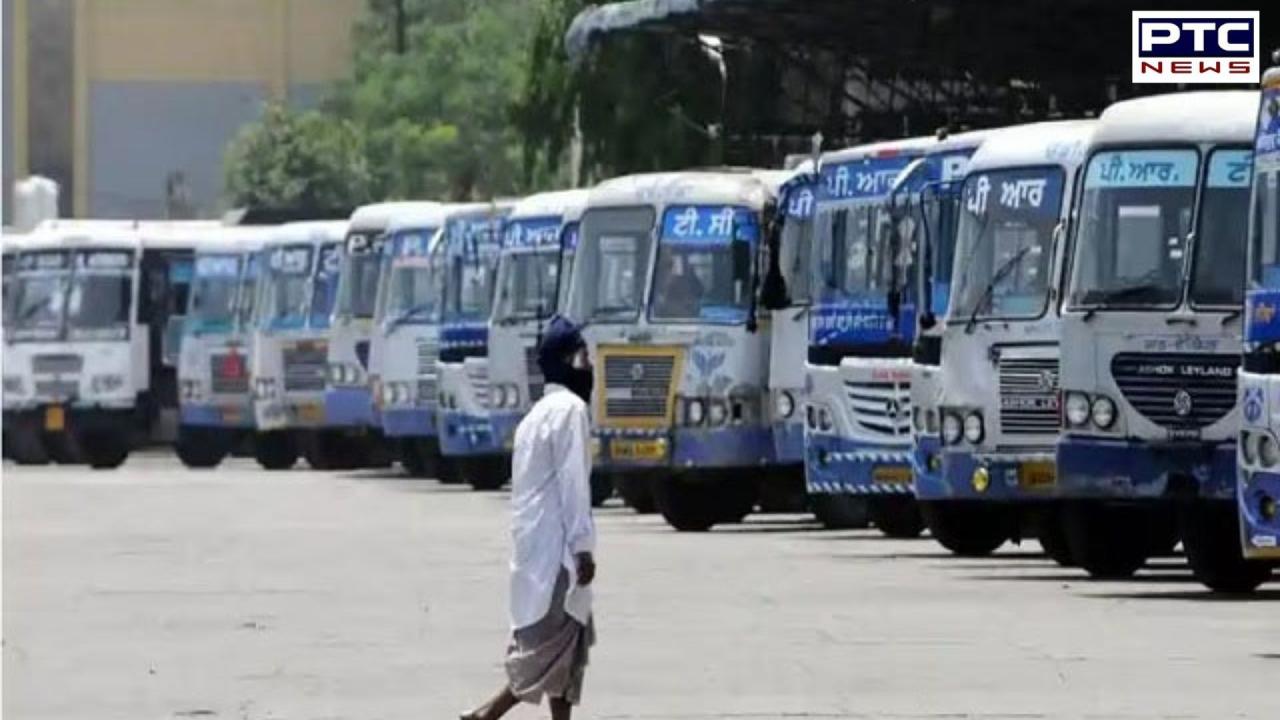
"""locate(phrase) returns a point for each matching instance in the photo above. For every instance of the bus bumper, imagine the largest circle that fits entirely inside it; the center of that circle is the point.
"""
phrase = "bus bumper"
(926, 467)
(349, 406)
(1259, 500)
(225, 415)
(788, 442)
(836, 465)
(685, 448)
(996, 477)
(1090, 467)
(463, 435)
(408, 422)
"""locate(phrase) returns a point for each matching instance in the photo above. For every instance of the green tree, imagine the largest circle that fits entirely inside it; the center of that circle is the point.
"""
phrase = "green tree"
(302, 160)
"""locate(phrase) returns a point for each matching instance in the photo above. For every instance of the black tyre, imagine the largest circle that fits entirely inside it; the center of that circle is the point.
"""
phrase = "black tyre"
(26, 446)
(841, 512)
(968, 529)
(486, 474)
(450, 472)
(687, 505)
(897, 516)
(201, 447)
(736, 498)
(1164, 531)
(330, 450)
(276, 450)
(1211, 538)
(1108, 541)
(414, 464)
(1053, 539)
(601, 489)
(104, 450)
(64, 448)
(636, 491)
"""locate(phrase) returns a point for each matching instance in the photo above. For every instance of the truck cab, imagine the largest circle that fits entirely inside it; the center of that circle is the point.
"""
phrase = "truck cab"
(666, 277)
(861, 326)
(1151, 333)
(297, 286)
(998, 407)
(215, 398)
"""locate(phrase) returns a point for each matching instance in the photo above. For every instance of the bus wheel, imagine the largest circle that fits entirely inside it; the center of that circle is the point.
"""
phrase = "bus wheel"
(967, 529)
(840, 512)
(200, 447)
(1053, 538)
(328, 450)
(105, 450)
(414, 464)
(64, 448)
(687, 505)
(736, 498)
(1108, 541)
(601, 488)
(897, 516)
(275, 450)
(450, 472)
(1211, 537)
(26, 445)
(636, 490)
(486, 473)
(1163, 531)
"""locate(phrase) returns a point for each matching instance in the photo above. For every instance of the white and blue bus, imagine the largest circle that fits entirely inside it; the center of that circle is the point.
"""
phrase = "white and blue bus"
(1151, 336)
(1258, 490)
(998, 404)
(861, 326)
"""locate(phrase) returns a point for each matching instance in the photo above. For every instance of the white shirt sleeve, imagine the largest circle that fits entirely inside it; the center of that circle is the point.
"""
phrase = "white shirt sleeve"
(573, 472)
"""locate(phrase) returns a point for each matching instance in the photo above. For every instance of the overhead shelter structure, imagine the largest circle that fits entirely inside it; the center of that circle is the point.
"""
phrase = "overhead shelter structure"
(859, 70)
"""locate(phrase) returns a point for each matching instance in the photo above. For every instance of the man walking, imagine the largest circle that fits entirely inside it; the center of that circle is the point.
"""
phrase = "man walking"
(554, 537)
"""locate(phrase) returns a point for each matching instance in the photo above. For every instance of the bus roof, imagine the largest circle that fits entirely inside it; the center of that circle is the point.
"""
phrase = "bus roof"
(884, 148)
(968, 140)
(731, 187)
(1214, 116)
(558, 203)
(378, 216)
(78, 235)
(236, 239)
(310, 231)
(1062, 143)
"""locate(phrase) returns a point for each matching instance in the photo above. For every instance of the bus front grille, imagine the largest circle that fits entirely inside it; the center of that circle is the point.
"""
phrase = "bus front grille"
(228, 374)
(305, 367)
(57, 364)
(1029, 396)
(1178, 390)
(637, 387)
(880, 408)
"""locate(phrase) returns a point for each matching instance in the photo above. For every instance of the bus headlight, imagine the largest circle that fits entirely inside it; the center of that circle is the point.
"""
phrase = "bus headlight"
(13, 385)
(264, 388)
(1103, 412)
(1248, 448)
(786, 405)
(951, 428)
(973, 430)
(1268, 450)
(717, 412)
(189, 388)
(1077, 409)
(695, 411)
(341, 373)
(110, 383)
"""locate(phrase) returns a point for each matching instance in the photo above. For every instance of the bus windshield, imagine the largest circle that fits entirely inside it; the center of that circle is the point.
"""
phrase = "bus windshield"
(213, 292)
(38, 296)
(1005, 241)
(1222, 226)
(696, 279)
(472, 251)
(247, 293)
(324, 289)
(412, 290)
(940, 206)
(855, 251)
(100, 296)
(1135, 222)
(358, 289)
(285, 279)
(796, 244)
(527, 284)
(1264, 241)
(611, 265)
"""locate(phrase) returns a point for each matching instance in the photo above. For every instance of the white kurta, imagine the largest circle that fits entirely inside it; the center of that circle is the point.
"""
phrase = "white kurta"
(551, 506)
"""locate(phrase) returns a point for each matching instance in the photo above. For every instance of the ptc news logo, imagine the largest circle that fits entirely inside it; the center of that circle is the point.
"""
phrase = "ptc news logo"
(1195, 46)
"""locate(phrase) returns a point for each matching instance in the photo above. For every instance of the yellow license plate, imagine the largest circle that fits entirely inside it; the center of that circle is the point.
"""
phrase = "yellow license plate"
(638, 449)
(1037, 475)
(231, 415)
(311, 413)
(892, 474)
(55, 418)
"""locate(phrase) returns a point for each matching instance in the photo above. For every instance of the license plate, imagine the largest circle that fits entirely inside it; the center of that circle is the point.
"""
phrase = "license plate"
(311, 413)
(892, 474)
(1037, 475)
(55, 418)
(231, 415)
(638, 449)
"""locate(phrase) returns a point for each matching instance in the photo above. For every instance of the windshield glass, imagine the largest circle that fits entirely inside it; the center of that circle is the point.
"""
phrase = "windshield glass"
(611, 265)
(413, 290)
(855, 250)
(283, 300)
(247, 293)
(1005, 242)
(324, 290)
(213, 293)
(1135, 219)
(100, 296)
(569, 243)
(1265, 240)
(940, 205)
(39, 295)
(472, 248)
(796, 247)
(1223, 220)
(697, 278)
(527, 284)
(358, 291)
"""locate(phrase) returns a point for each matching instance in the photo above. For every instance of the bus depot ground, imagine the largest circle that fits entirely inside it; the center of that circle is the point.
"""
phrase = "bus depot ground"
(154, 591)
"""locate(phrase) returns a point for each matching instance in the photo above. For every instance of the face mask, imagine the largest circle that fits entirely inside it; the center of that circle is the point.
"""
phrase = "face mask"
(580, 381)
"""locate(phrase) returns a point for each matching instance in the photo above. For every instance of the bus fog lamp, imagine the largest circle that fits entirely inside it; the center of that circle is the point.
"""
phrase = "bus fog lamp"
(981, 479)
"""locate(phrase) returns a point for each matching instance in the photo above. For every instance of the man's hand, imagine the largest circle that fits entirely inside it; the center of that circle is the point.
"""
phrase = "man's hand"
(586, 568)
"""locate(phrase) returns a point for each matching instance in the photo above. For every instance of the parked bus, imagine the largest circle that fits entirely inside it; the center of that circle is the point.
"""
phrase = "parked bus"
(297, 287)
(90, 355)
(998, 404)
(1258, 489)
(472, 245)
(1151, 333)
(858, 369)
(215, 398)
(666, 276)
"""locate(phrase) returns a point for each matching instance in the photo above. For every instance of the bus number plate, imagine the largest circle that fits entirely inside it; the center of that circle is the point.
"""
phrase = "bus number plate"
(55, 418)
(1037, 475)
(892, 474)
(638, 449)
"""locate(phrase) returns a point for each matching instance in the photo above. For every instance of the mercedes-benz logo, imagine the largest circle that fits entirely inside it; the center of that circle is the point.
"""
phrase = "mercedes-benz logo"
(1045, 381)
(1182, 403)
(637, 372)
(892, 408)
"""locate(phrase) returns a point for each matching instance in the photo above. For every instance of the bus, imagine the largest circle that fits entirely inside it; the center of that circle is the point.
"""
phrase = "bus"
(858, 369)
(998, 406)
(1151, 336)
(297, 287)
(215, 401)
(666, 278)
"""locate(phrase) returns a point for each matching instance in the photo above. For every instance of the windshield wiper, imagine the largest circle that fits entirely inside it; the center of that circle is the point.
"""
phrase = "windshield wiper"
(1108, 297)
(405, 316)
(989, 291)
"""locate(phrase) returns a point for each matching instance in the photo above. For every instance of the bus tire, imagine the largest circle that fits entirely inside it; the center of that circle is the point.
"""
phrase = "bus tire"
(486, 474)
(1211, 538)
(27, 446)
(1110, 542)
(200, 447)
(967, 529)
(105, 450)
(64, 448)
(1053, 539)
(412, 461)
(736, 499)
(450, 472)
(687, 505)
(636, 490)
(897, 516)
(841, 512)
(275, 450)
(601, 488)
